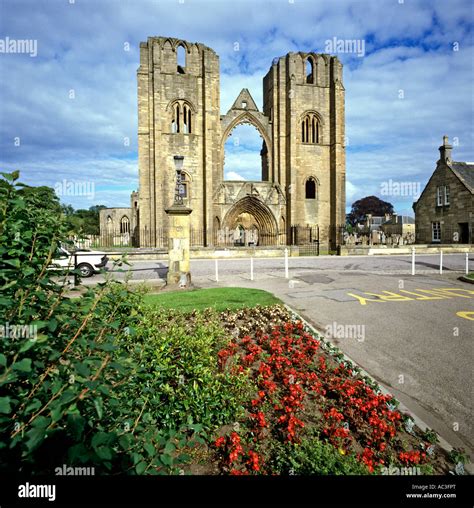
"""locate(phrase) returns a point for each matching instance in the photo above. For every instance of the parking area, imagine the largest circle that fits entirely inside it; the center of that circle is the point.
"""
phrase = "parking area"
(414, 334)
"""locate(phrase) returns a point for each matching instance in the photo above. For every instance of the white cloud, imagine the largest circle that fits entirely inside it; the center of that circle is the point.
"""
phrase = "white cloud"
(409, 47)
(232, 175)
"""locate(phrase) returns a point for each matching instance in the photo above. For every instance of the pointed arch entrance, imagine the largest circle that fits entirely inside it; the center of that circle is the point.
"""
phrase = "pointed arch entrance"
(251, 222)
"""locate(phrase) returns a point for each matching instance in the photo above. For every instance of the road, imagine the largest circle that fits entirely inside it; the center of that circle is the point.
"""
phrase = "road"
(414, 334)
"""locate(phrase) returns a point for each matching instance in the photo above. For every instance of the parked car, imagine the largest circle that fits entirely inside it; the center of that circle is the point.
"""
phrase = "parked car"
(88, 261)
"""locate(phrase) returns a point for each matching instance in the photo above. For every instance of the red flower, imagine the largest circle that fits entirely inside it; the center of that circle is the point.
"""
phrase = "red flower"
(253, 461)
(220, 441)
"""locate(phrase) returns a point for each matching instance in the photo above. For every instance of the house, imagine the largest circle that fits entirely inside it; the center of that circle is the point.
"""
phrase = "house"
(402, 225)
(444, 212)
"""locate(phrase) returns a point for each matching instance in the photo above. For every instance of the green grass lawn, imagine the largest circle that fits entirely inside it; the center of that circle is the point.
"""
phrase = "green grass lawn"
(218, 298)
(470, 275)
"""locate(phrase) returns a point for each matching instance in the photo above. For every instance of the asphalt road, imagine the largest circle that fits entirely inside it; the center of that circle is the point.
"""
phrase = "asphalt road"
(414, 334)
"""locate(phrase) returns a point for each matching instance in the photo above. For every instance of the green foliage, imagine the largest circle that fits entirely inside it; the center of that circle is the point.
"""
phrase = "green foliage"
(314, 457)
(82, 222)
(179, 375)
(62, 369)
(458, 455)
(430, 436)
(369, 204)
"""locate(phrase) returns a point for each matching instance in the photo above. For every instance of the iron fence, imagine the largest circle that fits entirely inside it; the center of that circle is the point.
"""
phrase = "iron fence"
(239, 237)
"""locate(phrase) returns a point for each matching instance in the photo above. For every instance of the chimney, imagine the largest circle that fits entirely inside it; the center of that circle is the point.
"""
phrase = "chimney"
(445, 151)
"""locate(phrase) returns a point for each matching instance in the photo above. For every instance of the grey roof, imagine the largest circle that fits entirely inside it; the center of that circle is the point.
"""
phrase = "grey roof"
(401, 219)
(465, 172)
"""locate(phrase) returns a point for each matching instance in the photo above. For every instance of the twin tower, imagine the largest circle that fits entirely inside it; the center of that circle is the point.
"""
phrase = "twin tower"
(303, 153)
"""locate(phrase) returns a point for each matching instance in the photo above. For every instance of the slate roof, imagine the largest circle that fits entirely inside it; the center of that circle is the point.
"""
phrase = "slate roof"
(465, 172)
(401, 219)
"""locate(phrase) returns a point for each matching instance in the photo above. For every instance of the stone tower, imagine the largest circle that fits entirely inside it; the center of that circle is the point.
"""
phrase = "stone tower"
(304, 100)
(303, 154)
(178, 114)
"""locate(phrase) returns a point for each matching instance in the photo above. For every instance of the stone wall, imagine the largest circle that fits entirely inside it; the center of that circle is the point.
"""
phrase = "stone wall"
(459, 210)
(166, 90)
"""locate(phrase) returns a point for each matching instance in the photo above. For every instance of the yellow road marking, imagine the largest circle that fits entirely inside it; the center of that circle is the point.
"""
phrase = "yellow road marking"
(466, 314)
(433, 294)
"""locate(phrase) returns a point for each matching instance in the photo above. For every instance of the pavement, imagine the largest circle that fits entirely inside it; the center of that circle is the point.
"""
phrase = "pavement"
(413, 334)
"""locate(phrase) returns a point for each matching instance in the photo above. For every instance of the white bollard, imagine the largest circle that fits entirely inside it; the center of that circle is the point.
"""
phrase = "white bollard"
(467, 263)
(251, 268)
(441, 262)
(413, 260)
(217, 271)
(286, 264)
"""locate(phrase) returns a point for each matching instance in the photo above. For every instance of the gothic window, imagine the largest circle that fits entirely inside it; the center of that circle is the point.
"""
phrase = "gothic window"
(124, 224)
(181, 120)
(181, 59)
(310, 128)
(309, 70)
(310, 188)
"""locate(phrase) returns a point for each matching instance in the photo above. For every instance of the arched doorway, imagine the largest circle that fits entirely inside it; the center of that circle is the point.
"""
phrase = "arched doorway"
(250, 223)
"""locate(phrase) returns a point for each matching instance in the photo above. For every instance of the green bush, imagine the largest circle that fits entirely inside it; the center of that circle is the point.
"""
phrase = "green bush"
(62, 378)
(314, 457)
(177, 354)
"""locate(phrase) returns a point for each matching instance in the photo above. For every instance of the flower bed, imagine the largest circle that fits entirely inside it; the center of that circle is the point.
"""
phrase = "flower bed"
(305, 396)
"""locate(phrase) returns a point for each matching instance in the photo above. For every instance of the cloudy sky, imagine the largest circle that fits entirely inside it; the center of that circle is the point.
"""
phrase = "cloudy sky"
(69, 113)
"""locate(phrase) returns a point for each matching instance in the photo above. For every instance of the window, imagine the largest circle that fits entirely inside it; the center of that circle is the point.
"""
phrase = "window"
(442, 195)
(181, 59)
(436, 232)
(124, 224)
(446, 195)
(244, 104)
(310, 128)
(181, 121)
(310, 189)
(309, 69)
(439, 196)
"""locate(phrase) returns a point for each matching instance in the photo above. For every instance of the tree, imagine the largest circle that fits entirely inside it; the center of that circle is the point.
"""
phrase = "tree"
(369, 204)
(82, 222)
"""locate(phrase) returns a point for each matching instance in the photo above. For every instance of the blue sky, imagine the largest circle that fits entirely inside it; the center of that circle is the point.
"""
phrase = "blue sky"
(69, 113)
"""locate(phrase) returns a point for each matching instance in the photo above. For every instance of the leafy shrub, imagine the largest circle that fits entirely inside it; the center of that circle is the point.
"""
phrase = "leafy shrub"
(314, 457)
(62, 396)
(177, 354)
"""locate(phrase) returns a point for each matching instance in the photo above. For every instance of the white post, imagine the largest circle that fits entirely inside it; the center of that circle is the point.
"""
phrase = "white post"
(286, 264)
(441, 262)
(413, 260)
(217, 271)
(467, 263)
(251, 268)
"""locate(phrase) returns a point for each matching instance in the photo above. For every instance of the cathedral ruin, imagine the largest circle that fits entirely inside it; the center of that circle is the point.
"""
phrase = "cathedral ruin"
(303, 151)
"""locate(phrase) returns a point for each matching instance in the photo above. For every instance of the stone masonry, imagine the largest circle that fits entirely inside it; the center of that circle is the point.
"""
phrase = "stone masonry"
(302, 131)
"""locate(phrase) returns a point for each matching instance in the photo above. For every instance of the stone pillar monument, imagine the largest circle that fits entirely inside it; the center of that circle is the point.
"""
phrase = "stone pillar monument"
(179, 234)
